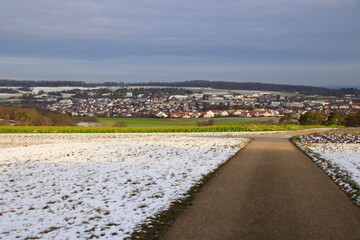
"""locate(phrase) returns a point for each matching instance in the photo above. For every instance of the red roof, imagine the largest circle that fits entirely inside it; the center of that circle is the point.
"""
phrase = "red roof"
(177, 111)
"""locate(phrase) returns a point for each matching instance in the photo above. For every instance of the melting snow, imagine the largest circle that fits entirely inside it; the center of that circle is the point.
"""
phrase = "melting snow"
(67, 186)
(346, 156)
(339, 156)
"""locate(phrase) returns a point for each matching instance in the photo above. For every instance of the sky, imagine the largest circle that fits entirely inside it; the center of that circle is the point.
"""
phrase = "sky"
(306, 42)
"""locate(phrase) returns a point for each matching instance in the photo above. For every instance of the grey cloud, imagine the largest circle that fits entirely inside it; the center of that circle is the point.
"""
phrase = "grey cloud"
(232, 30)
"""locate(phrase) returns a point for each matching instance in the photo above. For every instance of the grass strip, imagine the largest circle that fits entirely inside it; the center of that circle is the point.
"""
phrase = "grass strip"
(223, 128)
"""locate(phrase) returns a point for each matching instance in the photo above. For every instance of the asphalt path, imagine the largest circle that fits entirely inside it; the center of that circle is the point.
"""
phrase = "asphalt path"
(269, 190)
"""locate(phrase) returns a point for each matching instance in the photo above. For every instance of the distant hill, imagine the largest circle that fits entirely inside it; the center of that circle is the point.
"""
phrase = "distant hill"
(306, 90)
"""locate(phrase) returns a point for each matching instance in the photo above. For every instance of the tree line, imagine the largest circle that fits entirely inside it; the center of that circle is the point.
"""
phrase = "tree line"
(47, 83)
(306, 90)
(316, 118)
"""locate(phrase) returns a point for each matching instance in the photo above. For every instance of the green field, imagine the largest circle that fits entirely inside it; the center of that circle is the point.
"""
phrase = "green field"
(224, 128)
(183, 122)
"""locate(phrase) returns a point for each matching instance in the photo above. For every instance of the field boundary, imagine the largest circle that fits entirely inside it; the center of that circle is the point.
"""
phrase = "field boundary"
(219, 128)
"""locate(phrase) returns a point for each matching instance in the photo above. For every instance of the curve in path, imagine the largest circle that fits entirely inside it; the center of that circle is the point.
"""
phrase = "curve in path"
(269, 190)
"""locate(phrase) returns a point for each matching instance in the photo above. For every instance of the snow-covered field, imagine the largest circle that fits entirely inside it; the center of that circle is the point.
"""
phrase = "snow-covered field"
(82, 186)
(339, 156)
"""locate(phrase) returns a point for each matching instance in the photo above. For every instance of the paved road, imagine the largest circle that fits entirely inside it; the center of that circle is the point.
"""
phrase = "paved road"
(269, 190)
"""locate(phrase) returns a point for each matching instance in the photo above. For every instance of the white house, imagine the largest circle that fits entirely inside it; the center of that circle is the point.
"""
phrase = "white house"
(209, 114)
(161, 115)
(224, 114)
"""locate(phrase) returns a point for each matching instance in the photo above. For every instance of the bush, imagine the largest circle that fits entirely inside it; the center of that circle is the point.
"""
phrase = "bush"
(207, 123)
(335, 118)
(120, 124)
(353, 119)
(287, 119)
(312, 118)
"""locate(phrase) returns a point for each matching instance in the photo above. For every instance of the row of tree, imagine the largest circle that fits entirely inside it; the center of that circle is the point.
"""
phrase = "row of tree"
(306, 90)
(316, 118)
(42, 83)
(54, 83)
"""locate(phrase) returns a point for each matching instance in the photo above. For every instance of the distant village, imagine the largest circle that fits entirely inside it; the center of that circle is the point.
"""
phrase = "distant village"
(181, 103)
(163, 102)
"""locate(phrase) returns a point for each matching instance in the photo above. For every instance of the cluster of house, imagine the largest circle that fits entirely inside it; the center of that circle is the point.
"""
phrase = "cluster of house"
(218, 113)
(198, 105)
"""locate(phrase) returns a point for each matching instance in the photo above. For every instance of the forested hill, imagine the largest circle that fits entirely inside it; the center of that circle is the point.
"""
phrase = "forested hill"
(33, 117)
(307, 90)
(33, 83)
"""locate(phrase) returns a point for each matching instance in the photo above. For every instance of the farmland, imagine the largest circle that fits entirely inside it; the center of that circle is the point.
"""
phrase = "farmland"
(100, 185)
(117, 185)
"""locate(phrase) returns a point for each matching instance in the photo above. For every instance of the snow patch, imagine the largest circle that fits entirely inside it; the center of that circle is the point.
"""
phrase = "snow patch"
(67, 186)
(339, 157)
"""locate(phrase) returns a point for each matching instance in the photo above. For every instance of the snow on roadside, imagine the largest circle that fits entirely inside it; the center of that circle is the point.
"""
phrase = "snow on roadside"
(100, 185)
(338, 157)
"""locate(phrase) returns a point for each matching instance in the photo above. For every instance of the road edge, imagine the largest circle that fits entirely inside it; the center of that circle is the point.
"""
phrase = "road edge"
(161, 222)
(337, 176)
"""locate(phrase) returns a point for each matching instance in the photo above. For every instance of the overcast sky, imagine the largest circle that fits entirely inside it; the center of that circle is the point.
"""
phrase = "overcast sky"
(311, 42)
